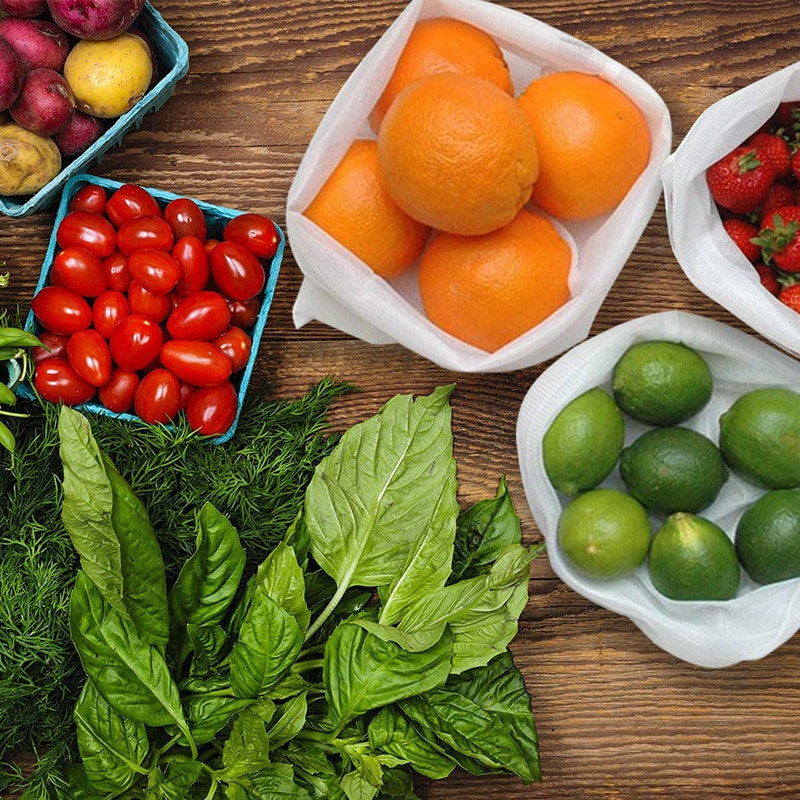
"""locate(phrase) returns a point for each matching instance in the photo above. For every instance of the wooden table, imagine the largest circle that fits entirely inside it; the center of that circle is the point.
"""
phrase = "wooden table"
(617, 717)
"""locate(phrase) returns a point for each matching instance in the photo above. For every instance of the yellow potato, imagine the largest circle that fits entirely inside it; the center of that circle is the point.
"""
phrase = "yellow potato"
(110, 76)
(27, 161)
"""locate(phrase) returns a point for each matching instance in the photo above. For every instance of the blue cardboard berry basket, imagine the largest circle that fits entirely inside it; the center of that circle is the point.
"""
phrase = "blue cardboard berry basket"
(172, 53)
(216, 219)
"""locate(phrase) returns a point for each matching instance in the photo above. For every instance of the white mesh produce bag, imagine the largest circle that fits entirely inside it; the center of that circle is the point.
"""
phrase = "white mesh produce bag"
(343, 292)
(709, 634)
(708, 256)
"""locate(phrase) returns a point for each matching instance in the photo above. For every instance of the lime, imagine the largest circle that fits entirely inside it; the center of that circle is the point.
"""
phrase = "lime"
(604, 532)
(673, 469)
(691, 558)
(661, 383)
(584, 441)
(760, 437)
(768, 537)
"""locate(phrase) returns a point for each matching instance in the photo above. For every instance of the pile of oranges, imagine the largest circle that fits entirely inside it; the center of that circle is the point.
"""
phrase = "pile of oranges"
(460, 171)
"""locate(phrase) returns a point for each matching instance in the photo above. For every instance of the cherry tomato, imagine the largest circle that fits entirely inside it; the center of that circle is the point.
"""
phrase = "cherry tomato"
(185, 218)
(89, 230)
(201, 315)
(119, 276)
(148, 304)
(61, 310)
(56, 381)
(210, 244)
(187, 390)
(129, 202)
(89, 198)
(156, 270)
(244, 313)
(158, 396)
(212, 410)
(116, 394)
(237, 272)
(237, 345)
(255, 232)
(79, 269)
(195, 270)
(198, 363)
(135, 342)
(89, 356)
(55, 346)
(108, 310)
(145, 233)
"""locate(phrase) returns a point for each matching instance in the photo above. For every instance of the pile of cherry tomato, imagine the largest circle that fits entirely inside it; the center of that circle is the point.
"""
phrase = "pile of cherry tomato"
(146, 314)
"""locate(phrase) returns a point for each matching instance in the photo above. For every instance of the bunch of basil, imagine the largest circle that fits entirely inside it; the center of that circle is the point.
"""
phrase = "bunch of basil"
(369, 645)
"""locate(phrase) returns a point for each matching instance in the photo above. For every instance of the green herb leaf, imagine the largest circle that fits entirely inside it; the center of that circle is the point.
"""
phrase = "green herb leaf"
(7, 438)
(485, 715)
(208, 581)
(291, 720)
(7, 397)
(111, 531)
(16, 337)
(246, 751)
(175, 782)
(361, 672)
(209, 714)
(208, 643)
(281, 577)
(130, 674)
(112, 748)
(274, 782)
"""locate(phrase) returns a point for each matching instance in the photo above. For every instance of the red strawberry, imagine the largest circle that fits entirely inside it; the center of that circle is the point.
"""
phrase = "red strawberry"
(772, 148)
(790, 296)
(740, 180)
(743, 233)
(767, 277)
(787, 116)
(779, 194)
(780, 238)
(794, 163)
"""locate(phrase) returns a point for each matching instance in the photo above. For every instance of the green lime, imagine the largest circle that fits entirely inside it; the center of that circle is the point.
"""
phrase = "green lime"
(604, 532)
(759, 436)
(768, 537)
(661, 383)
(584, 441)
(673, 469)
(691, 558)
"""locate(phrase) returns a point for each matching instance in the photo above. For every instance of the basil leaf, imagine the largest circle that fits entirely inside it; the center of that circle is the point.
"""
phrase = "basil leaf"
(111, 531)
(209, 714)
(484, 714)
(269, 643)
(208, 581)
(208, 644)
(397, 783)
(131, 675)
(180, 776)
(7, 439)
(357, 787)
(390, 732)
(274, 782)
(246, 750)
(7, 397)
(483, 531)
(281, 577)
(16, 337)
(112, 748)
(290, 722)
(77, 786)
(361, 672)
(372, 500)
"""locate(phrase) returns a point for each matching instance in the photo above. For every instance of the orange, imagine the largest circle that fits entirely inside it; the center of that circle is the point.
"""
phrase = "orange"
(458, 154)
(593, 143)
(488, 290)
(443, 45)
(354, 207)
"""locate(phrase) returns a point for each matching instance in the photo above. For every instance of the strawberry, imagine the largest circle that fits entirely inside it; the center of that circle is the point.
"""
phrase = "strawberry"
(790, 296)
(740, 180)
(780, 239)
(743, 233)
(772, 148)
(779, 194)
(794, 163)
(766, 275)
(787, 116)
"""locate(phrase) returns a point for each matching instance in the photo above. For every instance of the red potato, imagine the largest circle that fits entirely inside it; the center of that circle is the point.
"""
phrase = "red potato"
(98, 19)
(45, 104)
(82, 132)
(37, 42)
(10, 75)
(23, 8)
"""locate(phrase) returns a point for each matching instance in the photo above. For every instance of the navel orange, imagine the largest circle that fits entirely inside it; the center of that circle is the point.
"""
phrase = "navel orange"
(458, 154)
(444, 44)
(354, 207)
(593, 143)
(488, 290)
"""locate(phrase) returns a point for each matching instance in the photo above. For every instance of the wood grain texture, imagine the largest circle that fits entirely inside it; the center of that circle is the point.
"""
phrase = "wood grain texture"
(618, 718)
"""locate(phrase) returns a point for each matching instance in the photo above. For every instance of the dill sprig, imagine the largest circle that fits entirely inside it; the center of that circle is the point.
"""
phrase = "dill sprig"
(258, 478)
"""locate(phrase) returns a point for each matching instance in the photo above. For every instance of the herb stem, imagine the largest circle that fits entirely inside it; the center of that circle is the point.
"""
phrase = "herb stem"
(328, 610)
(213, 790)
(307, 666)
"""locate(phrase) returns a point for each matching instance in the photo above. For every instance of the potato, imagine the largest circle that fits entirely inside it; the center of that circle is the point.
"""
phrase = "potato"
(109, 77)
(27, 161)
